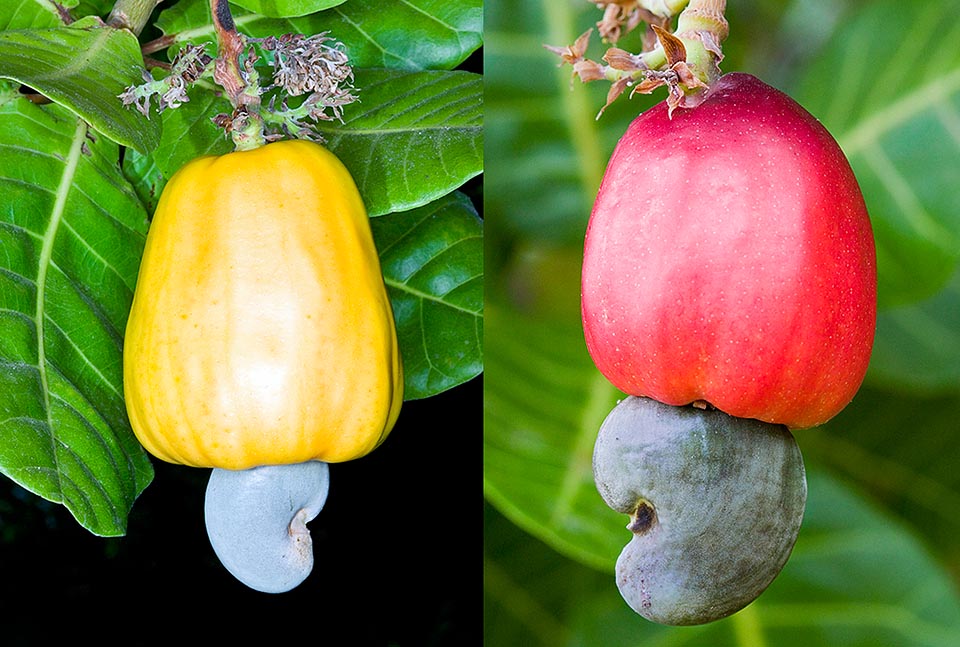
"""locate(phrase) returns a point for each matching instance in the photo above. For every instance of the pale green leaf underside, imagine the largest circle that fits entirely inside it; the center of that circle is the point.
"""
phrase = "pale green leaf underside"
(854, 578)
(917, 347)
(410, 34)
(901, 131)
(71, 234)
(432, 261)
(83, 67)
(544, 402)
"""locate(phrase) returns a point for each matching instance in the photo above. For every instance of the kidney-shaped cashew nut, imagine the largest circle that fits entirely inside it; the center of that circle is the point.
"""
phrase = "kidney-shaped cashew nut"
(257, 521)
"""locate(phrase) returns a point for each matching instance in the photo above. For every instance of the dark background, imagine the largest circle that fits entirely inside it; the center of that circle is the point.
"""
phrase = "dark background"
(395, 547)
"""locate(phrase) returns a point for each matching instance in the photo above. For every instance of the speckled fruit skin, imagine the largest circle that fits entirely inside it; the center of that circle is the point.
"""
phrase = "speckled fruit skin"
(729, 258)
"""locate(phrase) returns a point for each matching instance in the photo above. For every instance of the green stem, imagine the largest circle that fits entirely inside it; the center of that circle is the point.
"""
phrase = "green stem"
(132, 14)
(747, 628)
(664, 8)
(702, 27)
(247, 124)
(578, 114)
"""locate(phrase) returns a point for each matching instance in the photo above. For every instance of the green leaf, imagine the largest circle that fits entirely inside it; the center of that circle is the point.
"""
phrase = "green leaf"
(31, 14)
(145, 177)
(71, 234)
(285, 8)
(544, 402)
(917, 347)
(902, 449)
(83, 67)
(855, 577)
(900, 134)
(530, 591)
(549, 149)
(411, 35)
(99, 8)
(413, 137)
(432, 260)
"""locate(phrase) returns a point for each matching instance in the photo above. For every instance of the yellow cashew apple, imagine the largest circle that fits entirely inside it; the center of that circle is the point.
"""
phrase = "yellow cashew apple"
(261, 332)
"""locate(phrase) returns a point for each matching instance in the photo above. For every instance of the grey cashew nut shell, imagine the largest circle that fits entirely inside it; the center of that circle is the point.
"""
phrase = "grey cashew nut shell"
(257, 521)
(715, 505)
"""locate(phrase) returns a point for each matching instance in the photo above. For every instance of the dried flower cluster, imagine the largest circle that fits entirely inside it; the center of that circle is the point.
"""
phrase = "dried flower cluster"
(171, 91)
(620, 17)
(315, 66)
(664, 59)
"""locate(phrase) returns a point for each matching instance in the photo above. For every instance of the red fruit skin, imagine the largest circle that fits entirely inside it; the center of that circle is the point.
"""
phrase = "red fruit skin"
(729, 258)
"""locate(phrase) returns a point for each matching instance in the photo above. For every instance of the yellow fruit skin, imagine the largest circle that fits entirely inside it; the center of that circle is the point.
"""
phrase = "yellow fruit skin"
(261, 332)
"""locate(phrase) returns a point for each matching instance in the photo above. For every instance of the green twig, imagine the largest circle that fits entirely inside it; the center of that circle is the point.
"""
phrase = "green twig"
(132, 14)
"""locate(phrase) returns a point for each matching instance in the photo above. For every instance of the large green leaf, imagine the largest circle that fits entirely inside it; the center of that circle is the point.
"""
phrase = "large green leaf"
(71, 235)
(83, 67)
(32, 14)
(413, 137)
(286, 8)
(855, 577)
(894, 106)
(432, 260)
(549, 150)
(903, 449)
(917, 348)
(543, 404)
(411, 35)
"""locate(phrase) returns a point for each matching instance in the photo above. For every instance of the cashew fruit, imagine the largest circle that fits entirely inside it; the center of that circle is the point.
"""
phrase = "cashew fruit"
(729, 258)
(715, 505)
(261, 332)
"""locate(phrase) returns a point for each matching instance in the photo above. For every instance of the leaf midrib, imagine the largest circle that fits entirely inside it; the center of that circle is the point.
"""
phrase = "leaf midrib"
(45, 260)
(923, 97)
(424, 296)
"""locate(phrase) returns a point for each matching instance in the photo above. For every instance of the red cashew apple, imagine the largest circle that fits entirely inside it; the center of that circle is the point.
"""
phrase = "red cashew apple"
(729, 259)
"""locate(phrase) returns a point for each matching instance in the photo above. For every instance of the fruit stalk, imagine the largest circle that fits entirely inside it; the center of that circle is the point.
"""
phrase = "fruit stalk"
(702, 27)
(131, 14)
(239, 82)
(664, 8)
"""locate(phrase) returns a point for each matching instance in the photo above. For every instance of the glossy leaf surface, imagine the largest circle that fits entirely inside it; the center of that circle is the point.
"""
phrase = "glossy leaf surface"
(70, 236)
(415, 137)
(432, 260)
(83, 67)
(409, 35)
(285, 8)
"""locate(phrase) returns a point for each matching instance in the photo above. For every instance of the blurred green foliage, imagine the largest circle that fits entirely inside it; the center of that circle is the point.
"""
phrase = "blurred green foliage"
(878, 558)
